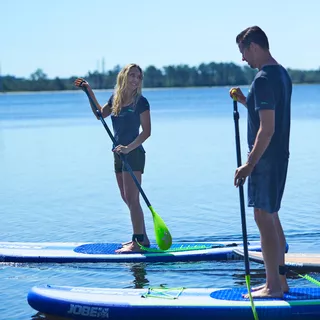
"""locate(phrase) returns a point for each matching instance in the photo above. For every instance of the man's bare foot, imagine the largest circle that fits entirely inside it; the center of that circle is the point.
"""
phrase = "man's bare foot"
(253, 289)
(132, 247)
(264, 293)
(284, 286)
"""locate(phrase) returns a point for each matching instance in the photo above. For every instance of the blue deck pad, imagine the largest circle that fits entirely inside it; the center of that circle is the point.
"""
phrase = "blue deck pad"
(98, 248)
(293, 294)
(106, 248)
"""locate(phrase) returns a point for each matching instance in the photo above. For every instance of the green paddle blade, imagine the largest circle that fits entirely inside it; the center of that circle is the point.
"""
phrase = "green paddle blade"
(162, 233)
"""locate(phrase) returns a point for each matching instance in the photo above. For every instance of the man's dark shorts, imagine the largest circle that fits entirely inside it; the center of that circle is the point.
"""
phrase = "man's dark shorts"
(266, 185)
(136, 159)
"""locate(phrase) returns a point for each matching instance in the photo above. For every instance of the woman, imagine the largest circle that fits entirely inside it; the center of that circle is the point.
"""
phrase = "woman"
(129, 110)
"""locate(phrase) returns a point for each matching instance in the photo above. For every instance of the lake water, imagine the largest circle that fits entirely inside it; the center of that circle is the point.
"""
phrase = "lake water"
(58, 184)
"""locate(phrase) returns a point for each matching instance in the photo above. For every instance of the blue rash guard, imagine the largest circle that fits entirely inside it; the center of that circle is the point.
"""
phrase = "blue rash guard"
(127, 123)
(271, 90)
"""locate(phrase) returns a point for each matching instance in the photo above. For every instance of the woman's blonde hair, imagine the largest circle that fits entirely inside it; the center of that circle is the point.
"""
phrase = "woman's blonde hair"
(121, 86)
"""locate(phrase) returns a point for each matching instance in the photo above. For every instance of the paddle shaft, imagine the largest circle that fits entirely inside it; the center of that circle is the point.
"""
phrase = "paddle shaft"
(242, 208)
(241, 194)
(122, 157)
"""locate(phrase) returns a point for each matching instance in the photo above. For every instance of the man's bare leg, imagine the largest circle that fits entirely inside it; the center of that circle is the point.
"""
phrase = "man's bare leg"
(271, 251)
(283, 243)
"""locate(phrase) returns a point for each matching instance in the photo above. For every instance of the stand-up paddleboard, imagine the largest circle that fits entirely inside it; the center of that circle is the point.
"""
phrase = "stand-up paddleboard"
(165, 303)
(307, 261)
(66, 252)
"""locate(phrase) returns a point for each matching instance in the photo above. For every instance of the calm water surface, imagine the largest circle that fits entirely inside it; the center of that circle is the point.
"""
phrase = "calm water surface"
(57, 184)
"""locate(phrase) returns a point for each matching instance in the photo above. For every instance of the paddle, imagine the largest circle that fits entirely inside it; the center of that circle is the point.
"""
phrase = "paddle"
(162, 233)
(242, 207)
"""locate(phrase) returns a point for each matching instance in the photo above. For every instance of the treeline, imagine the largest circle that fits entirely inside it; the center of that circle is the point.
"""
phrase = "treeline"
(211, 74)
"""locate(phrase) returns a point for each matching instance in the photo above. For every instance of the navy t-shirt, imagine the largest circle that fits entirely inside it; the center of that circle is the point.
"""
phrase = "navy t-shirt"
(271, 89)
(126, 124)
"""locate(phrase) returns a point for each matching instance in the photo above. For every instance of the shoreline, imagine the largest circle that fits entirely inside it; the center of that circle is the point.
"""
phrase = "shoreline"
(144, 89)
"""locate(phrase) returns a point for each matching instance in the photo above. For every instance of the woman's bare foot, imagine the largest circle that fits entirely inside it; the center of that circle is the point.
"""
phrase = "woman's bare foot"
(146, 243)
(126, 243)
(264, 293)
(132, 247)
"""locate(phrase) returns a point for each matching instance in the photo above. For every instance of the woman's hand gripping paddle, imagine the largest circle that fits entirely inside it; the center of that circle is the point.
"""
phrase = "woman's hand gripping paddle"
(162, 233)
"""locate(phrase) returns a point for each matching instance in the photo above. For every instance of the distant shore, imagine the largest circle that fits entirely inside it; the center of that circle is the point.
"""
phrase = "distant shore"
(144, 89)
(210, 74)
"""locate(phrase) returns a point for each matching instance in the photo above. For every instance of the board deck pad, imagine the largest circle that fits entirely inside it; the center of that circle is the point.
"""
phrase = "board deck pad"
(293, 294)
(307, 261)
(105, 248)
(70, 252)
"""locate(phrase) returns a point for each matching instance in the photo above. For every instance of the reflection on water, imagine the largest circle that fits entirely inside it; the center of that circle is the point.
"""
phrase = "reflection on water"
(139, 274)
(41, 316)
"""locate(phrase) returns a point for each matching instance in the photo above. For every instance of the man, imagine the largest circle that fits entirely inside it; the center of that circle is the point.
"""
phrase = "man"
(268, 103)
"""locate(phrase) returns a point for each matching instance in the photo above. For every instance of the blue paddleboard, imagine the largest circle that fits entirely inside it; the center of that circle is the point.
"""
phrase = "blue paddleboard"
(66, 252)
(166, 303)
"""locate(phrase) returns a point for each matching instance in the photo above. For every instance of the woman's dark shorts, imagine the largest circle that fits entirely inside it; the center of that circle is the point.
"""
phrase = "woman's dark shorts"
(266, 185)
(136, 159)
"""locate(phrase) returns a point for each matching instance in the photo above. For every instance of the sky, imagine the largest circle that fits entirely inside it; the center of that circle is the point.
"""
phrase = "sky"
(68, 38)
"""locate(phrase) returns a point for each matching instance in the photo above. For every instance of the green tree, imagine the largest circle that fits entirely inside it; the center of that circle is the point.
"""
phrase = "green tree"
(153, 77)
